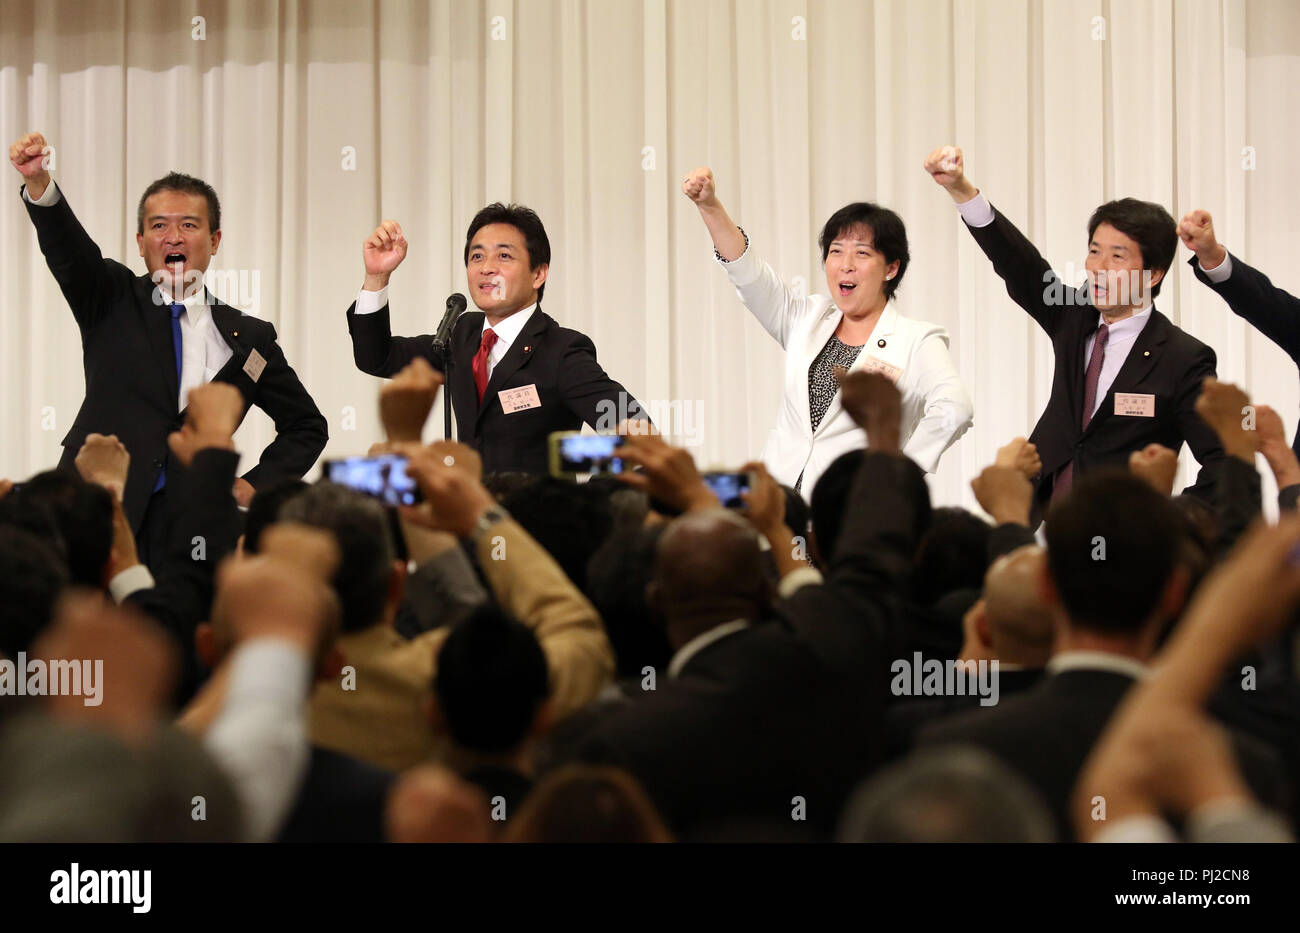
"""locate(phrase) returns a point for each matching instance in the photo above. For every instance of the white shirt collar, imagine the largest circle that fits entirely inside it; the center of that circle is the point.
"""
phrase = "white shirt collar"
(1130, 326)
(510, 328)
(700, 642)
(1096, 661)
(196, 303)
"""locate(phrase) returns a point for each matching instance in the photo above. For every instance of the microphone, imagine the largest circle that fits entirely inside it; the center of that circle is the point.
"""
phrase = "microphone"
(455, 307)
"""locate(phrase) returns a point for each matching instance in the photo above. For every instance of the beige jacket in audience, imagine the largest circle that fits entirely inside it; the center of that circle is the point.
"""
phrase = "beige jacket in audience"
(383, 719)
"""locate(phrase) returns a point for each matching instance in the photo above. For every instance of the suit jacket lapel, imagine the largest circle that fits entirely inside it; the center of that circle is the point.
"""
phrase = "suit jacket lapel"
(523, 347)
(464, 344)
(158, 327)
(1142, 356)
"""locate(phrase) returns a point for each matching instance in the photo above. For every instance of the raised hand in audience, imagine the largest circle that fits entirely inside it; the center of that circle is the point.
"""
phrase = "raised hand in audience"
(1005, 493)
(873, 402)
(406, 400)
(1022, 455)
(1157, 465)
(1227, 410)
(668, 473)
(104, 461)
(1272, 444)
(212, 414)
(448, 475)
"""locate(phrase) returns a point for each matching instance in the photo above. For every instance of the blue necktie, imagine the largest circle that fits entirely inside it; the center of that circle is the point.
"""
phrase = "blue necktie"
(177, 311)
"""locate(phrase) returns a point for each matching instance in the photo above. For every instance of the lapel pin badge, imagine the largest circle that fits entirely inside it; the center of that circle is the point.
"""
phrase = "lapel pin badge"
(528, 349)
(880, 342)
(1146, 352)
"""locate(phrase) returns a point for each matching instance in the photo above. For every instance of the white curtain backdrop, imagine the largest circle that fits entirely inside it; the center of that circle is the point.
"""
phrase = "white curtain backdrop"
(590, 111)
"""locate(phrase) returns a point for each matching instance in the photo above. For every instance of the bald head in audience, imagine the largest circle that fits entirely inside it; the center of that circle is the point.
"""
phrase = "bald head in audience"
(1013, 621)
(708, 570)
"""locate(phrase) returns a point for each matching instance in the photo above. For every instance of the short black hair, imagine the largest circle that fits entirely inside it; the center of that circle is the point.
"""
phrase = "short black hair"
(617, 575)
(829, 498)
(83, 513)
(264, 510)
(186, 184)
(1112, 544)
(888, 235)
(31, 579)
(1146, 222)
(568, 519)
(490, 681)
(360, 528)
(953, 555)
(523, 219)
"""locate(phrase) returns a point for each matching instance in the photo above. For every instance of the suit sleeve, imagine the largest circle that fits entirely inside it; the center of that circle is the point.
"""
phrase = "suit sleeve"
(1238, 501)
(1274, 312)
(588, 391)
(948, 409)
(531, 586)
(300, 429)
(853, 617)
(204, 532)
(1200, 437)
(1029, 278)
(775, 306)
(378, 353)
(90, 283)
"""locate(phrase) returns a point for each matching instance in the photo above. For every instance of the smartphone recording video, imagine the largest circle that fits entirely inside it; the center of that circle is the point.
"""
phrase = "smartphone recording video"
(575, 454)
(383, 477)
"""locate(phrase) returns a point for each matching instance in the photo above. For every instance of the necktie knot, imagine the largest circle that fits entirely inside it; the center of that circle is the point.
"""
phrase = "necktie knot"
(489, 340)
(1103, 334)
(177, 310)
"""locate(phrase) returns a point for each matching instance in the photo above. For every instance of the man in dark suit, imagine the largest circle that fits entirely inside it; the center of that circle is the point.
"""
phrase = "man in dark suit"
(758, 720)
(1272, 311)
(1125, 375)
(1111, 607)
(516, 375)
(147, 340)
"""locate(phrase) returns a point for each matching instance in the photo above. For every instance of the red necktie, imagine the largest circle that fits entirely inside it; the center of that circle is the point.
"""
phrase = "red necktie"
(481, 361)
(1090, 379)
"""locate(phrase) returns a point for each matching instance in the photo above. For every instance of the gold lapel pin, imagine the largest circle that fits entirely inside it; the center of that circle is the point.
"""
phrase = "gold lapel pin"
(527, 349)
(880, 342)
(234, 333)
(1146, 352)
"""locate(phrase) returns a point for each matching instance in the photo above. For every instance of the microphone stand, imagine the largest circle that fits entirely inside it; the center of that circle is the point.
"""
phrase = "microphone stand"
(446, 393)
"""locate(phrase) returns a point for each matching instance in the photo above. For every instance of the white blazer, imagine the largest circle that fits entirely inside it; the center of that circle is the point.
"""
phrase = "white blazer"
(936, 409)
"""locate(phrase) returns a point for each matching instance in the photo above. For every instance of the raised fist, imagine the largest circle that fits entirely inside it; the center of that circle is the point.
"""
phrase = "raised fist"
(28, 155)
(945, 166)
(698, 186)
(1196, 230)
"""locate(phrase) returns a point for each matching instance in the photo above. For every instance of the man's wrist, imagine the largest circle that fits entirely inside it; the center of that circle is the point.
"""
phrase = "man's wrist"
(963, 191)
(1212, 258)
(36, 185)
(376, 281)
(486, 517)
(1010, 515)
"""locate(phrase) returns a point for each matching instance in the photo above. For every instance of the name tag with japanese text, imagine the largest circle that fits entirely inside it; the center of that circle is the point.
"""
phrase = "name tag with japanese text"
(520, 399)
(254, 365)
(1138, 404)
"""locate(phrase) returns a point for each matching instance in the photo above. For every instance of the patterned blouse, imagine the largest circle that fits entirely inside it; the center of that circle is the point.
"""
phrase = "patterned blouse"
(821, 381)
